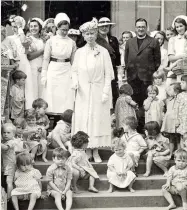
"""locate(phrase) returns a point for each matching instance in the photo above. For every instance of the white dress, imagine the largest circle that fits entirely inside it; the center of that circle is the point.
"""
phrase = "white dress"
(37, 44)
(24, 66)
(59, 94)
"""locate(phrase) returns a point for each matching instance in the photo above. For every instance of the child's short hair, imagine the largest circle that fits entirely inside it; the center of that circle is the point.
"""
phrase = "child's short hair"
(184, 78)
(163, 34)
(118, 142)
(10, 126)
(67, 116)
(118, 132)
(38, 103)
(126, 89)
(176, 87)
(60, 153)
(20, 122)
(158, 75)
(79, 139)
(23, 159)
(152, 88)
(181, 154)
(131, 122)
(18, 75)
(170, 28)
(152, 128)
(30, 114)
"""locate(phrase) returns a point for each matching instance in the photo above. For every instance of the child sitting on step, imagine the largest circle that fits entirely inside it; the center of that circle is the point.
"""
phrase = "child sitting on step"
(27, 182)
(120, 166)
(82, 168)
(59, 177)
(177, 180)
(158, 148)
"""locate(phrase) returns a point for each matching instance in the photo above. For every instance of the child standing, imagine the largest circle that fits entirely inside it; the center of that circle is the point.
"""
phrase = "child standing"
(8, 155)
(34, 135)
(27, 182)
(82, 168)
(158, 148)
(135, 144)
(125, 106)
(153, 106)
(169, 121)
(120, 166)
(17, 94)
(61, 134)
(177, 180)
(59, 176)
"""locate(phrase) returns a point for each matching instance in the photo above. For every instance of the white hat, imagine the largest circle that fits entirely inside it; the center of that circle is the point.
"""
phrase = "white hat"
(73, 32)
(21, 20)
(47, 21)
(153, 33)
(180, 16)
(60, 17)
(37, 19)
(89, 25)
(104, 21)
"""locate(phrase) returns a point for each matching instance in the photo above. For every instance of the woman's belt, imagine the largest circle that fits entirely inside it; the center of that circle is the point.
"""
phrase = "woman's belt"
(60, 60)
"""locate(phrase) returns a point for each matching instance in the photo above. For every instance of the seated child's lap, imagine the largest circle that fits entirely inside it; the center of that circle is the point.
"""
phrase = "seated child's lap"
(27, 196)
(174, 191)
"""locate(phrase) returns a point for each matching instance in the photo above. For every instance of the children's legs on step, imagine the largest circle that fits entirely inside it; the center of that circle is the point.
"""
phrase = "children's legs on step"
(183, 194)
(69, 199)
(32, 202)
(57, 196)
(56, 137)
(111, 188)
(130, 186)
(76, 175)
(9, 181)
(68, 144)
(161, 165)
(169, 199)
(33, 152)
(15, 202)
(149, 163)
(91, 184)
(44, 155)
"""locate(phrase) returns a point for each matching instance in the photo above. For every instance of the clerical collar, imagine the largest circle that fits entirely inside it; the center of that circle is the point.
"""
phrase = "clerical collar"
(142, 37)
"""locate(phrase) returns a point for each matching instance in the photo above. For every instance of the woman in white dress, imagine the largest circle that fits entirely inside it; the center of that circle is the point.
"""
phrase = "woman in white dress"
(56, 69)
(92, 73)
(35, 55)
(22, 61)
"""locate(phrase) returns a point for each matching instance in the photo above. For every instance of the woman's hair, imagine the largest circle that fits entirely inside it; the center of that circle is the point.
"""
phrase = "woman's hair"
(30, 114)
(60, 153)
(181, 154)
(152, 128)
(63, 22)
(23, 159)
(163, 34)
(9, 126)
(176, 87)
(38, 103)
(67, 116)
(126, 89)
(170, 28)
(158, 75)
(131, 122)
(184, 78)
(20, 122)
(118, 132)
(152, 88)
(18, 75)
(118, 143)
(40, 26)
(79, 139)
(181, 20)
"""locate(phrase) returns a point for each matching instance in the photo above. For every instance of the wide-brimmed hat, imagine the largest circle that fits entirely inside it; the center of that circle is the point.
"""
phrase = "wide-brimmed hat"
(61, 17)
(180, 16)
(74, 32)
(104, 21)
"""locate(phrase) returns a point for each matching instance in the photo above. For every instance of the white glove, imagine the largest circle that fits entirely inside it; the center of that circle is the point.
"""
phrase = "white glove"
(44, 81)
(105, 98)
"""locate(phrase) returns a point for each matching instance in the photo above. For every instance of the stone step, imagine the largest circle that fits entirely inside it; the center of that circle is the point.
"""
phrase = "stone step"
(141, 183)
(141, 198)
(101, 168)
(130, 208)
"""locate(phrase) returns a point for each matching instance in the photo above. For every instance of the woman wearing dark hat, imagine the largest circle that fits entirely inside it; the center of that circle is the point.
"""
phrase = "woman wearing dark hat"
(111, 44)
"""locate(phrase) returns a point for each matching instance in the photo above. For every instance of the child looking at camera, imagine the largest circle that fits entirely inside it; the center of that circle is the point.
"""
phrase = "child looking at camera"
(59, 177)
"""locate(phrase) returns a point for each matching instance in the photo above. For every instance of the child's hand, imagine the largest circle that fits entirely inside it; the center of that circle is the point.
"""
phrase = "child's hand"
(166, 186)
(177, 123)
(43, 195)
(82, 172)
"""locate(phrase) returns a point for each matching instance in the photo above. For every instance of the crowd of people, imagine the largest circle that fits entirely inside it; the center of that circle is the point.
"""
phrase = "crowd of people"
(128, 95)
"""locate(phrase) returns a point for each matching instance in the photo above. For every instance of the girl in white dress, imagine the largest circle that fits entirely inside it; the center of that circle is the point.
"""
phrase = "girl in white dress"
(27, 182)
(120, 166)
(56, 69)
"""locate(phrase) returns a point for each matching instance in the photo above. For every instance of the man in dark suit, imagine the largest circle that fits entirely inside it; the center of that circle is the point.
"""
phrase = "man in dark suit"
(111, 44)
(142, 59)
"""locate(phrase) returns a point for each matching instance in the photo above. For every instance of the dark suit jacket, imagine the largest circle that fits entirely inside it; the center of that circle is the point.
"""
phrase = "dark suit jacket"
(142, 62)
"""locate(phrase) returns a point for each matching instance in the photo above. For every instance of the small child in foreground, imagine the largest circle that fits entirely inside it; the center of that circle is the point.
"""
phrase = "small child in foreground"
(59, 175)
(120, 166)
(177, 180)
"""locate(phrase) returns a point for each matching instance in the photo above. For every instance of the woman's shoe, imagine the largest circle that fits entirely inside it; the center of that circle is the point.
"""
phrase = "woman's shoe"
(96, 156)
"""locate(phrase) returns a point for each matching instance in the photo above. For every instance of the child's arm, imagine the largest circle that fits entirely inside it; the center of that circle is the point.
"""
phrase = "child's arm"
(169, 179)
(4, 147)
(130, 101)
(142, 144)
(147, 103)
(68, 185)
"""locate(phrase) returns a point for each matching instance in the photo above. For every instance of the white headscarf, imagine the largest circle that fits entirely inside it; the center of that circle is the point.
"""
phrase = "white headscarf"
(180, 16)
(37, 19)
(60, 17)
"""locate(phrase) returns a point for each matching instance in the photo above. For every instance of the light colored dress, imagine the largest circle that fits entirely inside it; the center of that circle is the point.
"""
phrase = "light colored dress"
(37, 44)
(120, 165)
(59, 94)
(123, 109)
(26, 182)
(169, 120)
(155, 112)
(182, 112)
(24, 66)
(161, 92)
(93, 71)
(164, 58)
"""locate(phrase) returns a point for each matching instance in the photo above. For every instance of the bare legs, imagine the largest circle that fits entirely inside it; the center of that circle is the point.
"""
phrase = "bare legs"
(44, 155)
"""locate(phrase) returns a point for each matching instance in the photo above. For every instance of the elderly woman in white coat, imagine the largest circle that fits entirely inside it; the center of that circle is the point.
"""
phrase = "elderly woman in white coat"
(92, 73)
(56, 69)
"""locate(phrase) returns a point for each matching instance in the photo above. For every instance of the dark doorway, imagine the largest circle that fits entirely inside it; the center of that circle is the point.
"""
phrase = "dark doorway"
(78, 11)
